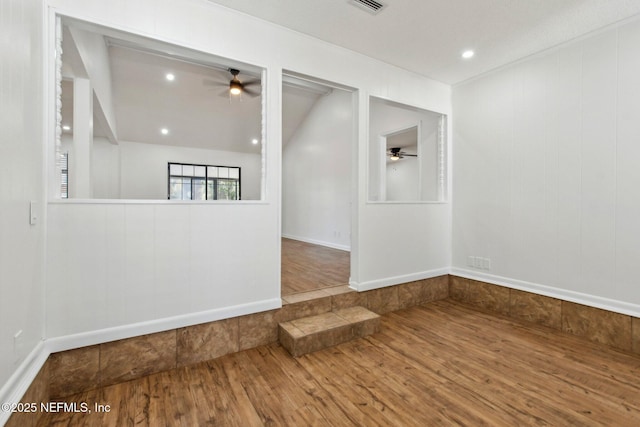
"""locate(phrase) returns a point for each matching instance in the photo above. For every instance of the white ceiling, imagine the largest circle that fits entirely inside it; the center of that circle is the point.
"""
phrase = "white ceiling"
(296, 106)
(195, 107)
(408, 138)
(424, 36)
(428, 36)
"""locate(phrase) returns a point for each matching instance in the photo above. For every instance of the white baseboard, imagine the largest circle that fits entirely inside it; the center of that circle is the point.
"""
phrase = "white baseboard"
(100, 336)
(549, 291)
(18, 384)
(318, 242)
(396, 280)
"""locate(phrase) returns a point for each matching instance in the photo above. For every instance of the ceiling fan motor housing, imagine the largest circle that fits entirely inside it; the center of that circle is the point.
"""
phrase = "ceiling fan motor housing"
(235, 87)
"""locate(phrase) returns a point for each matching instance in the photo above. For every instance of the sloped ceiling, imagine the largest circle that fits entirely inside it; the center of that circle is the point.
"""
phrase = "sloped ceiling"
(195, 107)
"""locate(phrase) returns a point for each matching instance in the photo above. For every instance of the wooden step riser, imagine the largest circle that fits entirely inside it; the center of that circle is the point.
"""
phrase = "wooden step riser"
(315, 333)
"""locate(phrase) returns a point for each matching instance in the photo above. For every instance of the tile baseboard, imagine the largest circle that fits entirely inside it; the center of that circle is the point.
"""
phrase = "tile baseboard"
(49, 374)
(617, 330)
(81, 369)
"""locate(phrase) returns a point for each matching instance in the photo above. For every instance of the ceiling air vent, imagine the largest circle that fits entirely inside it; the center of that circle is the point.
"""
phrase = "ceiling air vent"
(370, 6)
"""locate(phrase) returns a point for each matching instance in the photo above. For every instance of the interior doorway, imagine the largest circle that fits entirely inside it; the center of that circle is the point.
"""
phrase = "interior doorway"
(308, 267)
(317, 128)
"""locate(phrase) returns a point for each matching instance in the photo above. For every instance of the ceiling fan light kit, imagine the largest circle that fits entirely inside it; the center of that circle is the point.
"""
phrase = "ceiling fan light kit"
(237, 87)
(396, 154)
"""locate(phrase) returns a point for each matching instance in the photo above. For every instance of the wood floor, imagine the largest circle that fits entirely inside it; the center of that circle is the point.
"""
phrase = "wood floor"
(432, 365)
(307, 267)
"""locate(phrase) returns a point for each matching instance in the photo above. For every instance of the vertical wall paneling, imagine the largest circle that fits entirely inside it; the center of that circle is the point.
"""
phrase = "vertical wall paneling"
(598, 161)
(567, 205)
(316, 174)
(569, 113)
(21, 243)
(154, 261)
(627, 154)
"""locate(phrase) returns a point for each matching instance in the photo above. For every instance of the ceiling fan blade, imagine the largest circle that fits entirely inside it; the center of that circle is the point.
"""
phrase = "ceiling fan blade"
(214, 83)
(250, 92)
(247, 83)
(224, 94)
(410, 155)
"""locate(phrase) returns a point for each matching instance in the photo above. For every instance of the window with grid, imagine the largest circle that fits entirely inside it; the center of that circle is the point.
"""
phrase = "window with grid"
(203, 182)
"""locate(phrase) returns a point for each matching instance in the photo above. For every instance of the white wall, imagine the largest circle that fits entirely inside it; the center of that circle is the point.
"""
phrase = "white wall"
(105, 166)
(430, 160)
(387, 117)
(546, 172)
(402, 178)
(316, 174)
(21, 244)
(126, 264)
(94, 56)
(400, 241)
(144, 168)
(140, 265)
(105, 169)
(134, 170)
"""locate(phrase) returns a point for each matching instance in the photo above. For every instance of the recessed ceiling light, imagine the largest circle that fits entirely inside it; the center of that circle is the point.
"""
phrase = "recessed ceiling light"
(66, 127)
(170, 77)
(164, 131)
(254, 141)
(467, 54)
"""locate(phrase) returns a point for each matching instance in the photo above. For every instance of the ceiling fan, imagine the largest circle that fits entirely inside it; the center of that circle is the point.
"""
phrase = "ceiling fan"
(238, 87)
(396, 153)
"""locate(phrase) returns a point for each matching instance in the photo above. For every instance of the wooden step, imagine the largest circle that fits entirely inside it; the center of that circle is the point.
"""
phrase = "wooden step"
(314, 333)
